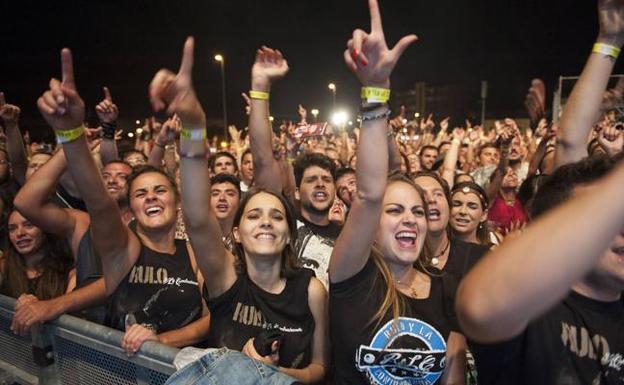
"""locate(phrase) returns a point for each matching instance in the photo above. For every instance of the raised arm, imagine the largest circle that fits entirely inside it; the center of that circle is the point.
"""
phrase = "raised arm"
(9, 114)
(108, 112)
(450, 159)
(166, 136)
(33, 202)
(497, 178)
(268, 67)
(63, 109)
(524, 277)
(582, 110)
(175, 91)
(369, 57)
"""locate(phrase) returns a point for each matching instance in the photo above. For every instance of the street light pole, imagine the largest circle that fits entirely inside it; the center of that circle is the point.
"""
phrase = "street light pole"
(332, 87)
(221, 61)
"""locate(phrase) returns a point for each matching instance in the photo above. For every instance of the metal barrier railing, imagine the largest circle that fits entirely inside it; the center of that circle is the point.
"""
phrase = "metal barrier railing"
(70, 350)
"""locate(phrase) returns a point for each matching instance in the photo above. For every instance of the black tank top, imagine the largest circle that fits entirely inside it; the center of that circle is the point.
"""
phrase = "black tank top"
(245, 310)
(409, 350)
(160, 291)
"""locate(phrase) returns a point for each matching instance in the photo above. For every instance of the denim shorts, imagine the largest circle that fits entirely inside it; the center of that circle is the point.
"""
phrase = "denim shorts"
(224, 367)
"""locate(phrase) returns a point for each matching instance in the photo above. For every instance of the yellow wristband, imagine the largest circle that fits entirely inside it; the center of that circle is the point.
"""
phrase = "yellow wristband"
(607, 50)
(259, 95)
(197, 134)
(69, 135)
(375, 95)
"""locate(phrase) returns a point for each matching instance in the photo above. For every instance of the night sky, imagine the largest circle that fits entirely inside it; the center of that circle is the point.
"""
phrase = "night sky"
(122, 44)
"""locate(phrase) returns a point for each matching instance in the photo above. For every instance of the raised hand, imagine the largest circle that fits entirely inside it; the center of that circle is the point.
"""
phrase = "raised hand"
(269, 66)
(367, 54)
(106, 110)
(175, 92)
(399, 121)
(61, 106)
(611, 22)
(170, 129)
(9, 114)
(247, 103)
(611, 139)
(234, 133)
(444, 124)
(459, 133)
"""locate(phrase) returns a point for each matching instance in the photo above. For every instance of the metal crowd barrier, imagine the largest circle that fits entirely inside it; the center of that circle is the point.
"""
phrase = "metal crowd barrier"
(70, 350)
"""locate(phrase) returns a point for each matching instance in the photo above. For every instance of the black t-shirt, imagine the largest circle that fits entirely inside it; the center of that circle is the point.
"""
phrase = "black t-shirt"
(314, 246)
(89, 270)
(368, 352)
(245, 310)
(462, 257)
(161, 291)
(578, 342)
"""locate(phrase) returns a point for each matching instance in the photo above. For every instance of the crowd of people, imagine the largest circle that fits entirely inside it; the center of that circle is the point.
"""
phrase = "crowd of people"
(454, 255)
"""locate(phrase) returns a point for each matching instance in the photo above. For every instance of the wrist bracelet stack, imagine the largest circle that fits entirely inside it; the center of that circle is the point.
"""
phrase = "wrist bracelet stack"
(108, 130)
(374, 104)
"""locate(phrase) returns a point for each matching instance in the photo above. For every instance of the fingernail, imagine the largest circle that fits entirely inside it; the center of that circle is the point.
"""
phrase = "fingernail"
(60, 99)
(364, 62)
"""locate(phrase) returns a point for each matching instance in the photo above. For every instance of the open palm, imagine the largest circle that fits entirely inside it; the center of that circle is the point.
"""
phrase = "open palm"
(269, 66)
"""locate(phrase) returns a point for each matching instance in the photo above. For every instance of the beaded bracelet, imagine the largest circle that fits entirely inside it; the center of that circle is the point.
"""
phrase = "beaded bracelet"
(385, 114)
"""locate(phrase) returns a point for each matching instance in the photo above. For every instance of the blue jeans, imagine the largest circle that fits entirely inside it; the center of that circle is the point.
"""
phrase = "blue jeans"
(224, 367)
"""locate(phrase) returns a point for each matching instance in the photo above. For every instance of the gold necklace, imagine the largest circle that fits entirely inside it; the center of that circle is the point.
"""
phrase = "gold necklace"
(413, 292)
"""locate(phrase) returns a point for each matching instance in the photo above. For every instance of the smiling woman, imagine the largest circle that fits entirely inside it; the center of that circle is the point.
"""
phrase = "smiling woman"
(151, 278)
(257, 287)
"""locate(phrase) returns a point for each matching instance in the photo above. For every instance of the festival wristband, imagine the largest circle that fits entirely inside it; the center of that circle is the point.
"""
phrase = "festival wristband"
(606, 49)
(69, 135)
(375, 95)
(197, 134)
(259, 95)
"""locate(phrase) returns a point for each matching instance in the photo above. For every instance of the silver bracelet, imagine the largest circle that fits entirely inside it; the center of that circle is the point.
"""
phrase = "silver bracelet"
(384, 114)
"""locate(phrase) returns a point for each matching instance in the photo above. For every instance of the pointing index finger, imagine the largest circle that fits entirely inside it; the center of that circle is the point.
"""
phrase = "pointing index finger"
(107, 94)
(186, 67)
(67, 68)
(375, 16)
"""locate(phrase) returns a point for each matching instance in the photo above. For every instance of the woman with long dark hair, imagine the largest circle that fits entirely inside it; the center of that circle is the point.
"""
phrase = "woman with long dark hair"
(258, 287)
(390, 320)
(469, 208)
(34, 263)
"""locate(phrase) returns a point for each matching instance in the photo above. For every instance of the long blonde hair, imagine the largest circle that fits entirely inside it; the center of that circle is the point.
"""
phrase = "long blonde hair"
(392, 301)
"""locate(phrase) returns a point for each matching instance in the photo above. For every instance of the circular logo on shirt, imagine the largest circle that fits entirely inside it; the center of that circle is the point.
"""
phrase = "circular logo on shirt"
(403, 351)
